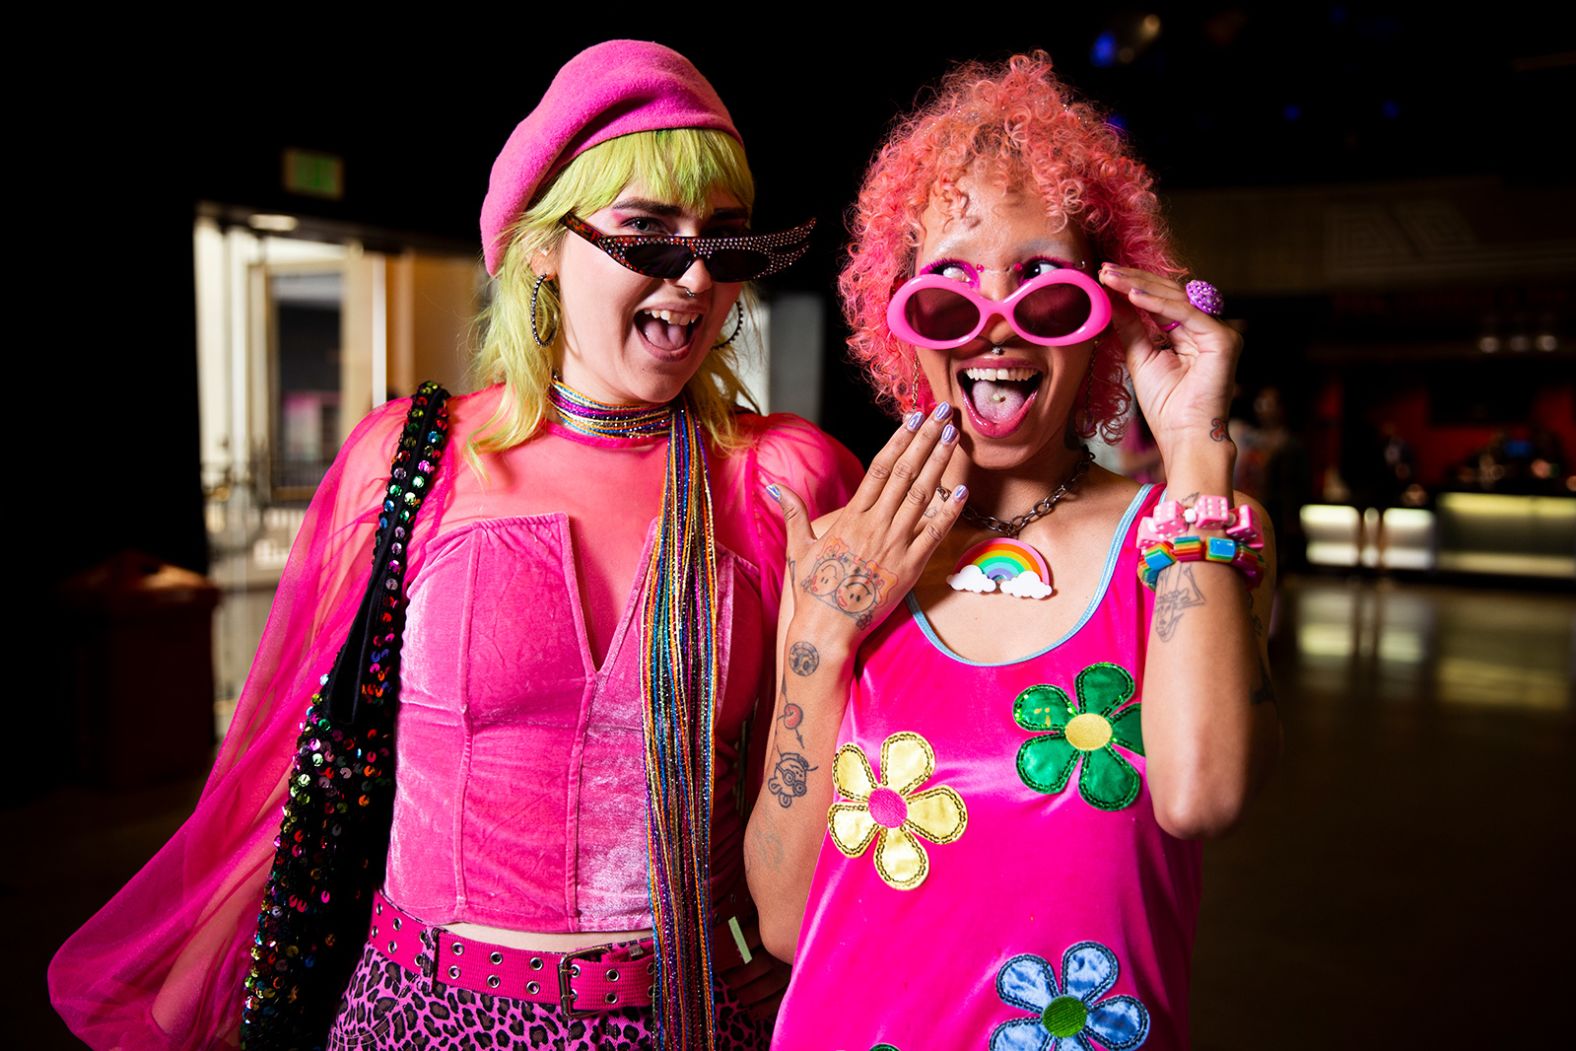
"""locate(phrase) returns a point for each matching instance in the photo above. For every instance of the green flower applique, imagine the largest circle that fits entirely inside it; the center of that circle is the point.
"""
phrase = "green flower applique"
(1082, 737)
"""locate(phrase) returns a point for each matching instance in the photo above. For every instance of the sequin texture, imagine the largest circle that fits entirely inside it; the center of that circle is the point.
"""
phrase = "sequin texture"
(333, 839)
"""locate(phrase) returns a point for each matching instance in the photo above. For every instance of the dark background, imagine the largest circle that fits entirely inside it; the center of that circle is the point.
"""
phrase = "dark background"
(107, 184)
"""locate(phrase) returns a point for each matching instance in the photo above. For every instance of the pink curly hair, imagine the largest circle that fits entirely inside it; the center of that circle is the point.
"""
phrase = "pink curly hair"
(1021, 123)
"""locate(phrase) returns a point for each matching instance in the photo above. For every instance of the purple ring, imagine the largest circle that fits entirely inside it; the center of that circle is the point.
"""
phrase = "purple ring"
(1206, 297)
(1173, 325)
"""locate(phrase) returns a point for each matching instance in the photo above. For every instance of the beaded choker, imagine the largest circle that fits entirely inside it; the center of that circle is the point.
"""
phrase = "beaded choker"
(678, 681)
(585, 415)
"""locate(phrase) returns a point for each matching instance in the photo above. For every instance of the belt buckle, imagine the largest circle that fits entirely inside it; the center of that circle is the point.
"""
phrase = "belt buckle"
(569, 970)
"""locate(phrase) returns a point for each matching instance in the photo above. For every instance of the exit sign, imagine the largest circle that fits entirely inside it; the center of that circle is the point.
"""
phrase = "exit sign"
(314, 174)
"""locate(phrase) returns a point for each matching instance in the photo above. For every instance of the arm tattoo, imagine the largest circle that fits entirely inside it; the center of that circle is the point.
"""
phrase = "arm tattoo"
(803, 658)
(1218, 429)
(1178, 593)
(791, 715)
(791, 772)
(850, 584)
(789, 776)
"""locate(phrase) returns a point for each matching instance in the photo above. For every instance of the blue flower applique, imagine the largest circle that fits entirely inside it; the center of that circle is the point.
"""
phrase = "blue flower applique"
(1071, 1017)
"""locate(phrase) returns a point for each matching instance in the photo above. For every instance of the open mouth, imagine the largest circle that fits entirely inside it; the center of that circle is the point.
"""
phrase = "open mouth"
(998, 399)
(669, 331)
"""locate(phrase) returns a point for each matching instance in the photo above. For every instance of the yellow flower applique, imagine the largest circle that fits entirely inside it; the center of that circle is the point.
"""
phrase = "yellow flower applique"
(893, 809)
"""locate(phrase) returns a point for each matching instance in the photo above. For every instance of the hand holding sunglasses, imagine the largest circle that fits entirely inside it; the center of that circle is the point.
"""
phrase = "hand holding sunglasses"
(729, 258)
(1054, 309)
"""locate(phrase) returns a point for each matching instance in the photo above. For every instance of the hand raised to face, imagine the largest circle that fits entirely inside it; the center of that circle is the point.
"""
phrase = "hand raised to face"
(871, 554)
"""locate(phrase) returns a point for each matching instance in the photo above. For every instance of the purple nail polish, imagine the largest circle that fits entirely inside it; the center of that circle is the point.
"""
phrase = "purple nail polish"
(960, 493)
(942, 411)
(949, 434)
(913, 420)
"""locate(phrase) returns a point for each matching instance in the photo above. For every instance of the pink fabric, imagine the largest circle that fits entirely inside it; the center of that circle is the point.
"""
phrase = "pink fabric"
(161, 965)
(1032, 872)
(614, 88)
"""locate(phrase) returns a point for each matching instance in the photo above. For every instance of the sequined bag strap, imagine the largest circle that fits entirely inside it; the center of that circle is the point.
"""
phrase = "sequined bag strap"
(364, 670)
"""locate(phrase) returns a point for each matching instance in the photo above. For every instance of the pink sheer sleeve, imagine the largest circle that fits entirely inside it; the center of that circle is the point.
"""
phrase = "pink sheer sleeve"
(161, 966)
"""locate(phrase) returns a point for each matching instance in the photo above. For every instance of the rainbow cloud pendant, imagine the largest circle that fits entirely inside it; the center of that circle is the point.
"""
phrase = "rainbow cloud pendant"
(1005, 565)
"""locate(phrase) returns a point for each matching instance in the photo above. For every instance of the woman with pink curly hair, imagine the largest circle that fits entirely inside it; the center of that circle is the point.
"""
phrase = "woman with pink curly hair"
(997, 746)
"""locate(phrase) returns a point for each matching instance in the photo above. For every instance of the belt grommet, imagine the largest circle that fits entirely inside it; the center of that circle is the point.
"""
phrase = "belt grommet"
(380, 908)
(374, 932)
(397, 924)
(611, 998)
(536, 963)
(612, 975)
(493, 981)
(574, 970)
(459, 949)
(454, 970)
(533, 987)
(496, 957)
(651, 993)
(393, 946)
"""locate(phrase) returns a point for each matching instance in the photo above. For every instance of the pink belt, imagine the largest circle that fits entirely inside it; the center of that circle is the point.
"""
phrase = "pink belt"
(582, 982)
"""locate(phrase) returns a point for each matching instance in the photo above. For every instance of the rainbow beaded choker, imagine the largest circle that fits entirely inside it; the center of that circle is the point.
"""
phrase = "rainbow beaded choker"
(586, 415)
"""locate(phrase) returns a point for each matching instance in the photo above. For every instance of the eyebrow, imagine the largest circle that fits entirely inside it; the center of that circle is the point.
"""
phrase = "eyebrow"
(1057, 250)
(666, 210)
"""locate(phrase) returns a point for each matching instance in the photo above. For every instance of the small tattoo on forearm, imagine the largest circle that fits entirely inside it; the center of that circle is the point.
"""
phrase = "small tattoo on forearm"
(803, 658)
(1178, 593)
(1217, 429)
(791, 715)
(789, 777)
(850, 584)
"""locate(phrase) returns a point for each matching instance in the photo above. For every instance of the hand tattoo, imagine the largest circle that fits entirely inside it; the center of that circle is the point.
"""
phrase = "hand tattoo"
(1218, 429)
(849, 584)
(1178, 593)
(803, 658)
(788, 781)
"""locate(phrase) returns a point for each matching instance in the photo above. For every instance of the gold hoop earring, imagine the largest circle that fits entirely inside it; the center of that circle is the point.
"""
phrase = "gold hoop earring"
(535, 333)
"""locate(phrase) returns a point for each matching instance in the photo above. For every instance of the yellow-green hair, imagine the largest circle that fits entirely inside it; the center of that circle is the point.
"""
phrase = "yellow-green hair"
(679, 165)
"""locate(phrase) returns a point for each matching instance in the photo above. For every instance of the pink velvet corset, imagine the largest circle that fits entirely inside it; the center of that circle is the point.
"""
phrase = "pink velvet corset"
(521, 780)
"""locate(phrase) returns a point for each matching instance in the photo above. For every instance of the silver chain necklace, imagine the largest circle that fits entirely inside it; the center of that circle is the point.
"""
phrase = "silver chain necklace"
(1014, 526)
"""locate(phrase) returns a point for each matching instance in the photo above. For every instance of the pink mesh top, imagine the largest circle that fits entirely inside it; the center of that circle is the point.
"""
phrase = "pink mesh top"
(520, 786)
(999, 854)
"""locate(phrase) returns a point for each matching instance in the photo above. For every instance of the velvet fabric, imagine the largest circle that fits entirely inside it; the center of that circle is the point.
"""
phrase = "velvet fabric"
(520, 792)
(1051, 921)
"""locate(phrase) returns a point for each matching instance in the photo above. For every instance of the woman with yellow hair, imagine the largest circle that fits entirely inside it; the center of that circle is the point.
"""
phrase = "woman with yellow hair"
(590, 590)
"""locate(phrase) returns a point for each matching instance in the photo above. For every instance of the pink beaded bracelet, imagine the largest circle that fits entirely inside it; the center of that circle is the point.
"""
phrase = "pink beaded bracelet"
(1171, 520)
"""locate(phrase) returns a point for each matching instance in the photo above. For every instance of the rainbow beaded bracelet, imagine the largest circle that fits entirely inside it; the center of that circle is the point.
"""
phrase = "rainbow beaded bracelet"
(1235, 553)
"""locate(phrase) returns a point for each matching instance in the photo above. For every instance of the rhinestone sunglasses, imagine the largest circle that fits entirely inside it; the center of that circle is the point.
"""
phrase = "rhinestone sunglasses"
(729, 258)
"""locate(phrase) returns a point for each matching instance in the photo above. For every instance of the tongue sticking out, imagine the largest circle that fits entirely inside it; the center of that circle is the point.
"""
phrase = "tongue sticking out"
(661, 334)
(998, 400)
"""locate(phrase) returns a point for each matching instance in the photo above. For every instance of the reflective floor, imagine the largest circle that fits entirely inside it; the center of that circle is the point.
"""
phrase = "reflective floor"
(1404, 882)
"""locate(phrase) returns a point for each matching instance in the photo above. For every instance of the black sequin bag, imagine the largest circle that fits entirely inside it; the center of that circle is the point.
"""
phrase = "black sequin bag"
(334, 840)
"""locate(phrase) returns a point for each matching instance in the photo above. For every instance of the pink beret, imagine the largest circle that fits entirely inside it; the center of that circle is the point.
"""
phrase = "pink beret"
(610, 89)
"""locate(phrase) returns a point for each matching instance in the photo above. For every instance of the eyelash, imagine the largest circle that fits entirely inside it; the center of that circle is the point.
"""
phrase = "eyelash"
(940, 266)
